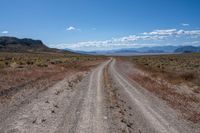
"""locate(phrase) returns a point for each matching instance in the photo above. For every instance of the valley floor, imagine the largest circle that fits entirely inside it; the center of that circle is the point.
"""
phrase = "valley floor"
(101, 100)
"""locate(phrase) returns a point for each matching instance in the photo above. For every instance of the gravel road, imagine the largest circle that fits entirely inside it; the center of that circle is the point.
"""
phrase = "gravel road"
(151, 114)
(91, 103)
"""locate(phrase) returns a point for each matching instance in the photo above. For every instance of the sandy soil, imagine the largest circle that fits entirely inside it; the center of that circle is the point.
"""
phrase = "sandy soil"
(151, 113)
(178, 95)
(100, 101)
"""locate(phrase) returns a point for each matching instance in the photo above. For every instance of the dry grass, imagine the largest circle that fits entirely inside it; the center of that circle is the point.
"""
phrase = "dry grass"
(19, 69)
(183, 103)
(173, 78)
(27, 60)
(177, 68)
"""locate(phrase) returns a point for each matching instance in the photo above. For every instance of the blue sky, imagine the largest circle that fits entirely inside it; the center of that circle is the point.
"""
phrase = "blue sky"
(102, 24)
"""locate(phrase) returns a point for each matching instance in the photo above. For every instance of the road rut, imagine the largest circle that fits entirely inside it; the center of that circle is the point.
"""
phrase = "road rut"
(81, 106)
(152, 114)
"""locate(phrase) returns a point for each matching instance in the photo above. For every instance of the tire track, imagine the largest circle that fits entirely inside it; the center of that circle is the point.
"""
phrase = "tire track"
(92, 118)
(149, 119)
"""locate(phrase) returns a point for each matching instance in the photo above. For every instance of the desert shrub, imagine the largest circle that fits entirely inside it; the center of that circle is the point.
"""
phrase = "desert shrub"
(29, 63)
(56, 61)
(188, 76)
(180, 66)
(8, 58)
(20, 66)
(42, 65)
(22, 63)
(14, 64)
(2, 64)
(6, 63)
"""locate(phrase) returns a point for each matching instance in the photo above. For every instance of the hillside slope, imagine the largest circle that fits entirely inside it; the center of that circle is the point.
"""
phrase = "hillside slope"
(187, 49)
(13, 44)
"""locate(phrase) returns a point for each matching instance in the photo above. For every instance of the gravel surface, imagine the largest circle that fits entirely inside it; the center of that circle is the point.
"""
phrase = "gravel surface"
(103, 100)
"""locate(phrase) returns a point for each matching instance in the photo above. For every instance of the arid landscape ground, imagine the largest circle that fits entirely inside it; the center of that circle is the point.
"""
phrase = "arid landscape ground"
(100, 66)
(72, 93)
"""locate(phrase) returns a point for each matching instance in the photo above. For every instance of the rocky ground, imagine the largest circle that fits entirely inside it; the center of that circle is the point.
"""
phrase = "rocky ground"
(103, 99)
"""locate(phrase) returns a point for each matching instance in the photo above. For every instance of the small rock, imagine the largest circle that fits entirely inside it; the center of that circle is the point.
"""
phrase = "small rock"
(105, 117)
(56, 106)
(43, 120)
(34, 121)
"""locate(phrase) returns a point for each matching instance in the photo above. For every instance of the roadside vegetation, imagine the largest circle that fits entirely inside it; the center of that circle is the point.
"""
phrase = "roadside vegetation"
(174, 78)
(177, 68)
(30, 60)
(20, 69)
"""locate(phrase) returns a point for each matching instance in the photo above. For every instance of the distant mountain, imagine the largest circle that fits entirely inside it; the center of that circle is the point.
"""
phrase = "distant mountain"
(13, 44)
(187, 49)
(145, 50)
(133, 51)
(79, 52)
(157, 49)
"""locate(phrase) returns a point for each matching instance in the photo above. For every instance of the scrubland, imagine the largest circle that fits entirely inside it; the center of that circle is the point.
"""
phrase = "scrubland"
(173, 78)
(177, 68)
(39, 69)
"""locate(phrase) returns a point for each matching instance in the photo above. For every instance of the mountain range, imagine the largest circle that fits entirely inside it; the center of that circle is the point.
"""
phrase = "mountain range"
(13, 44)
(145, 50)
(188, 49)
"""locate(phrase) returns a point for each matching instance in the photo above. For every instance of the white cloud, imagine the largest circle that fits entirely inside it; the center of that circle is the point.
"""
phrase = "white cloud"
(161, 32)
(184, 24)
(102, 45)
(153, 38)
(136, 38)
(192, 42)
(71, 28)
(4, 32)
(195, 42)
(129, 41)
(192, 32)
(172, 32)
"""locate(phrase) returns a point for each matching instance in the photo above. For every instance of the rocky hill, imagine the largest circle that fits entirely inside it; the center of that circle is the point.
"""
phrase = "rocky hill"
(13, 44)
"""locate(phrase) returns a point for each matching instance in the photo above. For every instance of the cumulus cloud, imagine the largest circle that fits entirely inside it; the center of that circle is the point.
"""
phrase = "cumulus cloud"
(132, 38)
(192, 32)
(4, 32)
(104, 45)
(195, 42)
(71, 28)
(161, 32)
(152, 38)
(192, 42)
(172, 32)
(184, 24)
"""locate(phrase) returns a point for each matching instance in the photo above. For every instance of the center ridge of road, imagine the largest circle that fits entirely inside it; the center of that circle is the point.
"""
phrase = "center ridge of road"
(96, 104)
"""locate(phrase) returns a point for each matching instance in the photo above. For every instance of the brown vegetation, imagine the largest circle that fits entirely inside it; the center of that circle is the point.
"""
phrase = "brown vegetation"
(177, 68)
(173, 78)
(20, 69)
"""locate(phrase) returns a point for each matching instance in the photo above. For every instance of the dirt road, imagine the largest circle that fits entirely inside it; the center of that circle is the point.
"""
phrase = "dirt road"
(103, 100)
(152, 114)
